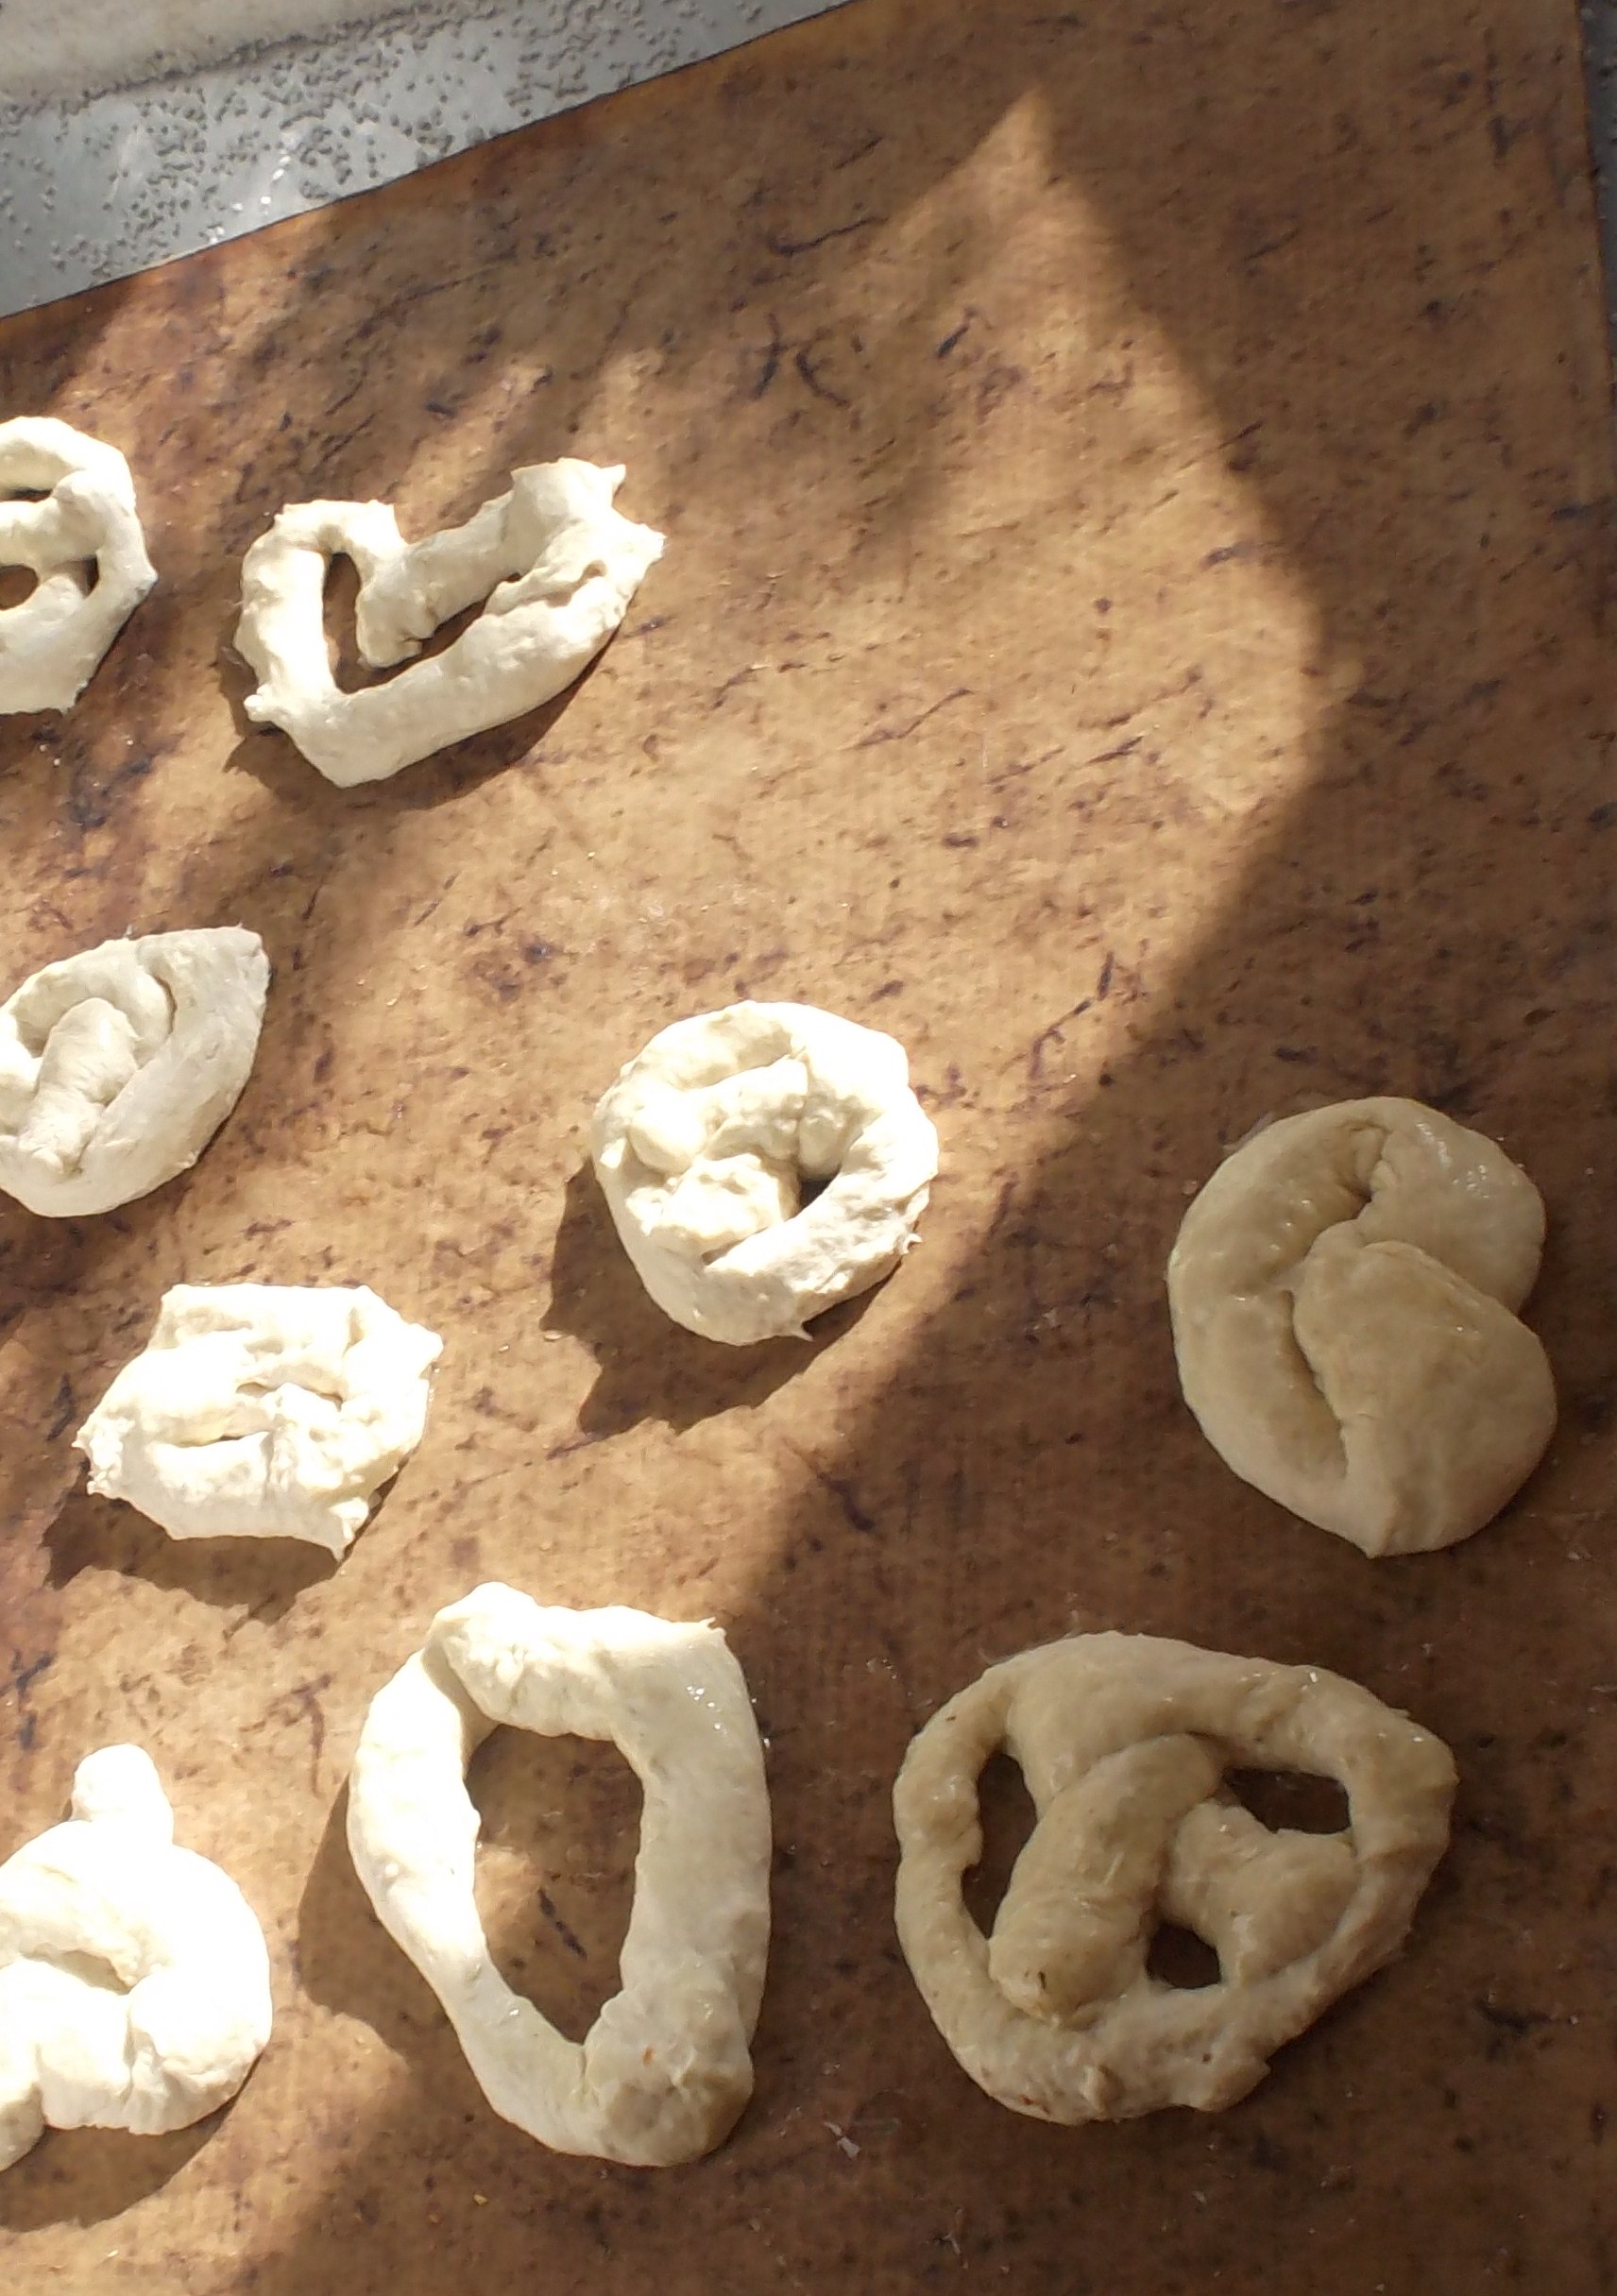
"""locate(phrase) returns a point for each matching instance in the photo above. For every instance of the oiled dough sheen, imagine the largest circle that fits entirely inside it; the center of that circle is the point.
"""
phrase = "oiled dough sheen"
(1344, 1293)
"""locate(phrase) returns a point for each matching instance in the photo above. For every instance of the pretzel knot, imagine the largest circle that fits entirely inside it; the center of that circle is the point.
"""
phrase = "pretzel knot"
(554, 562)
(665, 2070)
(709, 1142)
(119, 1064)
(262, 1410)
(51, 643)
(1124, 1742)
(1344, 1293)
(134, 1984)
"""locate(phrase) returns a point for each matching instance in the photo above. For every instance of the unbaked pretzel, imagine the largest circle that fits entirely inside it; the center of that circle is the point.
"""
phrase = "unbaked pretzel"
(52, 643)
(119, 1064)
(262, 1410)
(664, 2071)
(555, 563)
(704, 1143)
(1344, 1294)
(134, 1984)
(1123, 1740)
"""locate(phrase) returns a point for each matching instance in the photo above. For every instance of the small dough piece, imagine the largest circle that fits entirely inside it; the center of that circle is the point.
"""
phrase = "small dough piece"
(1123, 1740)
(1344, 1294)
(134, 1984)
(665, 2070)
(52, 643)
(118, 1065)
(263, 1411)
(557, 564)
(705, 1140)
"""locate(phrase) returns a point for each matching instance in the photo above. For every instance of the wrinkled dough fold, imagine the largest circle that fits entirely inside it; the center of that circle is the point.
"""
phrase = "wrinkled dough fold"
(263, 1411)
(53, 641)
(1124, 1742)
(1344, 1293)
(707, 1141)
(118, 1065)
(134, 1982)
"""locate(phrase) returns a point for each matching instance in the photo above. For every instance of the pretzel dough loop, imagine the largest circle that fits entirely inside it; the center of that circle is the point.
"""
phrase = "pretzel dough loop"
(264, 1410)
(665, 2070)
(1344, 1293)
(134, 1982)
(557, 564)
(707, 1141)
(118, 1065)
(1124, 1742)
(53, 641)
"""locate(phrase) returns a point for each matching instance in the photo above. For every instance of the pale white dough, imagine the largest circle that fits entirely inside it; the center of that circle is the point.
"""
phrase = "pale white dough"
(557, 564)
(1344, 1294)
(262, 1411)
(1123, 1742)
(134, 1984)
(118, 1065)
(665, 2070)
(52, 643)
(702, 1147)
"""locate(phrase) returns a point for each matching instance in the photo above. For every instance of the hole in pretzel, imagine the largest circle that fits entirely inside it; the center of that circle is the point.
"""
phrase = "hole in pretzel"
(556, 1868)
(17, 585)
(1291, 1800)
(1177, 1957)
(1008, 1817)
(350, 669)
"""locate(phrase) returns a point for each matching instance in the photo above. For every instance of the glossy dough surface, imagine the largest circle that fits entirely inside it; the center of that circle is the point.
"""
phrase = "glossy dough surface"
(1344, 1293)
(118, 1065)
(665, 2070)
(134, 1984)
(1123, 1740)
(263, 1411)
(703, 1147)
(555, 563)
(53, 642)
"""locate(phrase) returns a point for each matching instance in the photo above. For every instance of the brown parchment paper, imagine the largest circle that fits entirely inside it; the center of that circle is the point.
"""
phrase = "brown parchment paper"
(1139, 487)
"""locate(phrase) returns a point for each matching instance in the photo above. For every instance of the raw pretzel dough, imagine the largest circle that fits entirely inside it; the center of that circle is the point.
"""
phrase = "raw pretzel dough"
(262, 1411)
(118, 1065)
(134, 1984)
(51, 645)
(664, 2071)
(701, 1147)
(1344, 1293)
(555, 562)
(1123, 1740)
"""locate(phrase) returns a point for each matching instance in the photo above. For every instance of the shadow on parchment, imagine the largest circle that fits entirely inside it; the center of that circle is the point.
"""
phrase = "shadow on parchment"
(1432, 915)
(649, 1367)
(259, 1578)
(561, 1825)
(89, 2176)
(272, 757)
